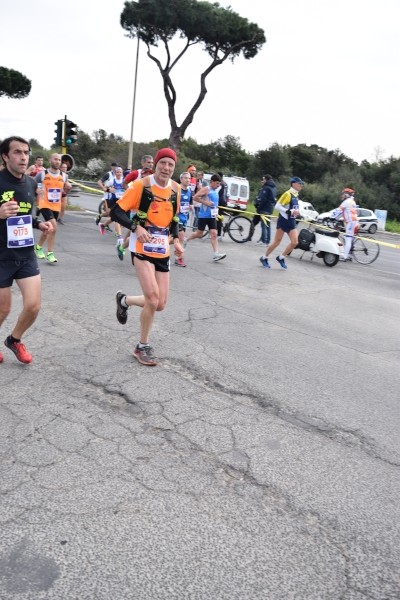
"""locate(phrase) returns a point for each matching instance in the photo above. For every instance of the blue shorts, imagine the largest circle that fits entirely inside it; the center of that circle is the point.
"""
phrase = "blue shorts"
(12, 270)
(286, 225)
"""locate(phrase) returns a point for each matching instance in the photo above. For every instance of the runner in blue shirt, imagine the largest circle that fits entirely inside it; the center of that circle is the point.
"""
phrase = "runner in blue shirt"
(208, 198)
(185, 207)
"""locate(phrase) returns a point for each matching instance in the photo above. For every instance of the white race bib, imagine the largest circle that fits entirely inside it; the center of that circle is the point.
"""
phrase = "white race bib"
(214, 212)
(19, 231)
(158, 243)
(54, 195)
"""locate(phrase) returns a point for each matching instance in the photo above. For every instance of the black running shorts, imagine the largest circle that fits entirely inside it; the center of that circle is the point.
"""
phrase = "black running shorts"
(49, 214)
(162, 265)
(12, 270)
(203, 222)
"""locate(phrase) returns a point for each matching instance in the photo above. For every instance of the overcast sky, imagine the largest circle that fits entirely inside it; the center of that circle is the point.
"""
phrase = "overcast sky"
(327, 75)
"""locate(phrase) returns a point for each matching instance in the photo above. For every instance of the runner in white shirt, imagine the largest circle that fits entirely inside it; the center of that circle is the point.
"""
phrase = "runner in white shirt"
(347, 209)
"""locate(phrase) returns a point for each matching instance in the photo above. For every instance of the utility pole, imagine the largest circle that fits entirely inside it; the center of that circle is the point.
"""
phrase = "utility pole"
(130, 153)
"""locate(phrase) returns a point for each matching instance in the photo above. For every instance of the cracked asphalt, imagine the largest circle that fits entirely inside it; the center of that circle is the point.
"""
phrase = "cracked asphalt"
(259, 460)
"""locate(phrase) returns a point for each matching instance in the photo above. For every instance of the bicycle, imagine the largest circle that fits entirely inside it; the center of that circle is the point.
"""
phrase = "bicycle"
(239, 228)
(102, 207)
(365, 252)
(364, 249)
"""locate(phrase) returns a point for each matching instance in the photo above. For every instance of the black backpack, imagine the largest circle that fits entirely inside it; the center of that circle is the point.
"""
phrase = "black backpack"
(306, 237)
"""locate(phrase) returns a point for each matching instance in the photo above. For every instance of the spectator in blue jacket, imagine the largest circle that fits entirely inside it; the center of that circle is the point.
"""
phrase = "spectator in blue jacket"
(265, 203)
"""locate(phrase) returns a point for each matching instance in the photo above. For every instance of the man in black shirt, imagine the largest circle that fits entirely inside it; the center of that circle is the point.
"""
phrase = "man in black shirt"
(17, 256)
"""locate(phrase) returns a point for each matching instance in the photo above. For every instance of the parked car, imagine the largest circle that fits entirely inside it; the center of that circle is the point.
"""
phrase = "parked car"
(367, 219)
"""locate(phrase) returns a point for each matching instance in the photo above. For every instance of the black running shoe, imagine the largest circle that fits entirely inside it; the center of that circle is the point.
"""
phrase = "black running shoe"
(122, 312)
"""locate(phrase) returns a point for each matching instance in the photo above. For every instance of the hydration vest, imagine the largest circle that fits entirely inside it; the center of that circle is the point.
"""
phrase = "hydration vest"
(148, 197)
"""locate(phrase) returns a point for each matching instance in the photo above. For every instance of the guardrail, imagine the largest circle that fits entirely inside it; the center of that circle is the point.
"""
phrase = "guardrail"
(92, 184)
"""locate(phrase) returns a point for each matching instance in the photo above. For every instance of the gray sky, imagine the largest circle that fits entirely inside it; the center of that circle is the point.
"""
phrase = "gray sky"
(328, 75)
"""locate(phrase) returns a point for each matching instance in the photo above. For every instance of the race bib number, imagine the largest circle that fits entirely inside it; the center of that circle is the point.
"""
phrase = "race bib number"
(158, 243)
(119, 194)
(184, 209)
(19, 231)
(54, 195)
(214, 212)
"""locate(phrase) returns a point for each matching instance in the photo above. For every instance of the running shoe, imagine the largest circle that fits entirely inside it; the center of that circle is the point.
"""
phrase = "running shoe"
(145, 355)
(107, 228)
(102, 228)
(19, 350)
(1, 357)
(343, 259)
(122, 312)
(120, 251)
(60, 221)
(218, 256)
(265, 263)
(97, 220)
(39, 252)
(51, 258)
(180, 262)
(281, 261)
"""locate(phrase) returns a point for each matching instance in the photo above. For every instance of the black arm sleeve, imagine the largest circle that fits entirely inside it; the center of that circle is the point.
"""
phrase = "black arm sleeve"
(174, 229)
(119, 216)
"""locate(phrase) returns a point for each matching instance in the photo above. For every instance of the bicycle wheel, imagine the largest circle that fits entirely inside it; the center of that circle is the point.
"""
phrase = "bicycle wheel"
(240, 229)
(364, 251)
(102, 206)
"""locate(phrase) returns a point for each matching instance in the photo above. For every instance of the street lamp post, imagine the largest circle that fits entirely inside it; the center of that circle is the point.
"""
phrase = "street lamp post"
(130, 153)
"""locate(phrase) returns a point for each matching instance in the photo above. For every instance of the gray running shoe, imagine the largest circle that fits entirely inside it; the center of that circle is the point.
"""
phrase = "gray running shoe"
(145, 355)
(218, 256)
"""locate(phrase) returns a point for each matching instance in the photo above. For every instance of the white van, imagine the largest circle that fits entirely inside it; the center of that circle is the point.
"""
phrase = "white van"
(238, 189)
(307, 211)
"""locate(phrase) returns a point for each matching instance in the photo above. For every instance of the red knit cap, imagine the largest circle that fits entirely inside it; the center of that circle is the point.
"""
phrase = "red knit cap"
(165, 153)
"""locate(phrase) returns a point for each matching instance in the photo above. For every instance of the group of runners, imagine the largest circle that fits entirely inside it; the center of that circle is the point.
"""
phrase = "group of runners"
(154, 209)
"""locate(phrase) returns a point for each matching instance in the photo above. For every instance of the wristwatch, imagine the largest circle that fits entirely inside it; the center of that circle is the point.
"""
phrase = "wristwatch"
(134, 225)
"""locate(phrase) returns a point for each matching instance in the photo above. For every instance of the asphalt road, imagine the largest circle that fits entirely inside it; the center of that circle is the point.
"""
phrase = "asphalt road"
(259, 460)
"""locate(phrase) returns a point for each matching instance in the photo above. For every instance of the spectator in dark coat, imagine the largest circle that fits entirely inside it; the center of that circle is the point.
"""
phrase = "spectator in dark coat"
(223, 195)
(265, 203)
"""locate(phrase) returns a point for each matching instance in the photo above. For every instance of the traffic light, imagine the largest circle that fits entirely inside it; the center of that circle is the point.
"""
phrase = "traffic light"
(71, 134)
(58, 139)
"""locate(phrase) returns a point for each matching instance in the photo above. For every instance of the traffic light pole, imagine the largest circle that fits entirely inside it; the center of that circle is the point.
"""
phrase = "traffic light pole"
(66, 134)
(63, 144)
